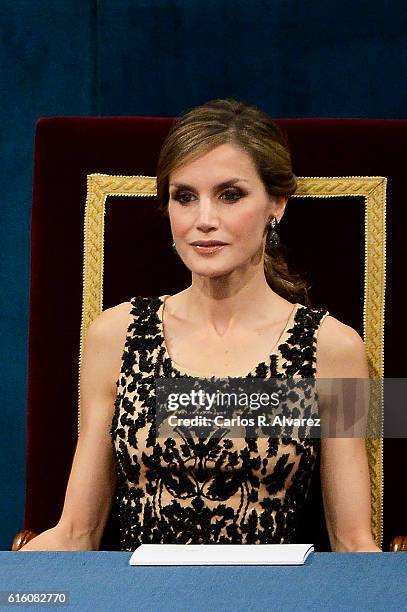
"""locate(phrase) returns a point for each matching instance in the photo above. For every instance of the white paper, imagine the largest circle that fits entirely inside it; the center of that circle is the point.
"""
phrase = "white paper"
(221, 554)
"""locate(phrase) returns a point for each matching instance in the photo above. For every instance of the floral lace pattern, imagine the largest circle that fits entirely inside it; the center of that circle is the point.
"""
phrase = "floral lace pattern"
(186, 490)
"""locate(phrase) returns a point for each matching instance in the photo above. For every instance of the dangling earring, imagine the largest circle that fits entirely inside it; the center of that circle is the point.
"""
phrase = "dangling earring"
(174, 247)
(273, 239)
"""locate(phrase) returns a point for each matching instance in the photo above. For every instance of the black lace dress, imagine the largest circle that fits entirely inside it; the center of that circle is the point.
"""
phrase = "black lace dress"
(244, 491)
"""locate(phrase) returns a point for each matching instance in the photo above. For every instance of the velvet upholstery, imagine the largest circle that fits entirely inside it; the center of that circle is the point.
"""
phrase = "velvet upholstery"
(324, 237)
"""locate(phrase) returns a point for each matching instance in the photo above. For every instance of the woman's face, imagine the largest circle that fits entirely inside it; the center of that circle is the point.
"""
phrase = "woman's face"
(220, 197)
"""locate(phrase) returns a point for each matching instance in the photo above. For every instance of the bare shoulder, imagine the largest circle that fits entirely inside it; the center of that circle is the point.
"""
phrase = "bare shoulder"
(341, 351)
(106, 337)
(112, 323)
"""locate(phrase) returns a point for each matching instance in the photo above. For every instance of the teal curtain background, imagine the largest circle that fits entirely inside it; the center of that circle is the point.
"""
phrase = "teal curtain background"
(161, 57)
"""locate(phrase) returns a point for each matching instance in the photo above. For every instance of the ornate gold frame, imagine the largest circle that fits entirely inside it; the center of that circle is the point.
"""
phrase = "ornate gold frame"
(371, 188)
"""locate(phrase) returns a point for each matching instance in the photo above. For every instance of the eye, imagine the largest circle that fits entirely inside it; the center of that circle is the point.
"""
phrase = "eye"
(230, 195)
(183, 197)
(233, 195)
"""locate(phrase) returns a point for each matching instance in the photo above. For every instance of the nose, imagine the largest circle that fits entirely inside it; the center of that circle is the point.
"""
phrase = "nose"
(207, 215)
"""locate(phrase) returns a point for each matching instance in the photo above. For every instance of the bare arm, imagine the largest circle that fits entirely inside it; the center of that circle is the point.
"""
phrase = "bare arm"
(92, 480)
(345, 479)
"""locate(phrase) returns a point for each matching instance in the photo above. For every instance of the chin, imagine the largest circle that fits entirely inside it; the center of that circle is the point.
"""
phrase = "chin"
(211, 271)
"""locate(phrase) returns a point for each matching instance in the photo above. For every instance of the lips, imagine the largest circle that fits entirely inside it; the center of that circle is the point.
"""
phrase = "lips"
(207, 243)
(208, 249)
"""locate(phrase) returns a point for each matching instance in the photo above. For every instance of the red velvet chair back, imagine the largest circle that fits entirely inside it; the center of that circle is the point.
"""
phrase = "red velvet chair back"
(325, 236)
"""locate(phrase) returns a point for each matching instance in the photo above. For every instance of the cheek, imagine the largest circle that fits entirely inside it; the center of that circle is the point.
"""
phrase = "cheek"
(243, 225)
(248, 225)
(179, 223)
(181, 227)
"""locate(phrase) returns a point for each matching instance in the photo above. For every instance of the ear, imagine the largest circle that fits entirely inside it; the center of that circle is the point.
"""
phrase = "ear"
(277, 207)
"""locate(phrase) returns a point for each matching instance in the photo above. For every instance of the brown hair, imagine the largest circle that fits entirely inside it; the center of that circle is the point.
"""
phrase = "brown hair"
(217, 122)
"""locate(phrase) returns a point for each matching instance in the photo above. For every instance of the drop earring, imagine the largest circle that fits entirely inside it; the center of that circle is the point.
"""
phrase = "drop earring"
(173, 246)
(273, 239)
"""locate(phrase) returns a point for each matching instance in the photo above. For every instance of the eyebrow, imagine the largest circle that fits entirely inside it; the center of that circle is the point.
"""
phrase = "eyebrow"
(227, 183)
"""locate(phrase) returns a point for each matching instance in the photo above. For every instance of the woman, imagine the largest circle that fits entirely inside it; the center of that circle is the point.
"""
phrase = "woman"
(224, 178)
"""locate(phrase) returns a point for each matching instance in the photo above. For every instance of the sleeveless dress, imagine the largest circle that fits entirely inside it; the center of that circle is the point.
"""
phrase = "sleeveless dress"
(240, 491)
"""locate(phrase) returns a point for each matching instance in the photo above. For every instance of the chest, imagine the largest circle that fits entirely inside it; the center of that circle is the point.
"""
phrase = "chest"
(202, 352)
